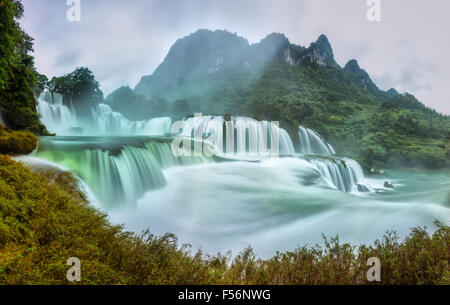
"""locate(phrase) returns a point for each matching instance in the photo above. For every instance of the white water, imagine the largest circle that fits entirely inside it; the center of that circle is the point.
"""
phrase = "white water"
(63, 121)
(312, 143)
(108, 122)
(57, 117)
(240, 136)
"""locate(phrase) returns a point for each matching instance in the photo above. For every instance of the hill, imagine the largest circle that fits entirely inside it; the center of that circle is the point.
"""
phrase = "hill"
(221, 73)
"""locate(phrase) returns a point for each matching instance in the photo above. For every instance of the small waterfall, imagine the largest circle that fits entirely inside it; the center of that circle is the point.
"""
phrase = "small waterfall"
(312, 143)
(57, 117)
(343, 174)
(108, 122)
(239, 136)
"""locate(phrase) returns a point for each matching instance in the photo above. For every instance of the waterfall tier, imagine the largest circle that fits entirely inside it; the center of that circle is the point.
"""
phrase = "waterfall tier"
(312, 143)
(63, 121)
(343, 174)
(108, 122)
(239, 136)
(117, 173)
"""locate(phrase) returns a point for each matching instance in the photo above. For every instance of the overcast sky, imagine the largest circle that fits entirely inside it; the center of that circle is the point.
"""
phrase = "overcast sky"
(122, 40)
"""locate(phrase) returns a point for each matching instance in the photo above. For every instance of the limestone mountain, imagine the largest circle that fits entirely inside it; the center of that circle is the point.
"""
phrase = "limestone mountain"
(218, 72)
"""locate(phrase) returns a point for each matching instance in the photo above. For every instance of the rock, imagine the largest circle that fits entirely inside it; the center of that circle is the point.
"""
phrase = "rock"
(363, 188)
(388, 185)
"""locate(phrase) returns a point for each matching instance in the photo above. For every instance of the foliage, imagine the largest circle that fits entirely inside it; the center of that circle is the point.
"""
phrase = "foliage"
(16, 142)
(79, 88)
(135, 106)
(45, 219)
(17, 72)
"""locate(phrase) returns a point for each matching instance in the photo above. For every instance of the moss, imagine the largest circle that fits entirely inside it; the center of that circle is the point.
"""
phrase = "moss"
(45, 219)
(16, 142)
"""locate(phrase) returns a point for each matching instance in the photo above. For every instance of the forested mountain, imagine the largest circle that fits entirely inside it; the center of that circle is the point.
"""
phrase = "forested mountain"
(221, 73)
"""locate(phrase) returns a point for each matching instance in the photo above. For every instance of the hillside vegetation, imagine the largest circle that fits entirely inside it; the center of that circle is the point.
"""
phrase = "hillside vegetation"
(19, 81)
(16, 142)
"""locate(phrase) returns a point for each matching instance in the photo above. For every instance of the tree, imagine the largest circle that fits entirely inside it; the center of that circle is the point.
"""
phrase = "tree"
(17, 73)
(181, 107)
(79, 88)
(158, 106)
(41, 84)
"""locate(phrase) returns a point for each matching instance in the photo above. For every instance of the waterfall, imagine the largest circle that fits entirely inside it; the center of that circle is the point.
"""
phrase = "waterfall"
(62, 120)
(123, 169)
(239, 136)
(57, 117)
(312, 143)
(118, 173)
(108, 122)
(343, 174)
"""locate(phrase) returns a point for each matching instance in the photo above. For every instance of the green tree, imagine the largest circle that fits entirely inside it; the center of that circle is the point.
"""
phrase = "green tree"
(79, 88)
(17, 73)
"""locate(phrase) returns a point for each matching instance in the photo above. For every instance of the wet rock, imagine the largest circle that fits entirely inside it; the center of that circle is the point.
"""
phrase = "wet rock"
(363, 188)
(388, 185)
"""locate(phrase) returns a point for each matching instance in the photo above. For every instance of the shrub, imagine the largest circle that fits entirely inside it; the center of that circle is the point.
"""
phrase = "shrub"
(16, 142)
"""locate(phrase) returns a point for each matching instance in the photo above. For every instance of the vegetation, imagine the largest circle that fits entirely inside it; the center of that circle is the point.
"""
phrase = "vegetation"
(78, 88)
(18, 76)
(135, 106)
(45, 219)
(16, 142)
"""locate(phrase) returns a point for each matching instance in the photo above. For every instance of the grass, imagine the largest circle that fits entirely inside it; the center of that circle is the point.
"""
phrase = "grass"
(45, 219)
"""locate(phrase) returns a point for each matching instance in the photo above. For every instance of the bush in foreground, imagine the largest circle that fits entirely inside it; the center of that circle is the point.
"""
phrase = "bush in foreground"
(45, 219)
(16, 142)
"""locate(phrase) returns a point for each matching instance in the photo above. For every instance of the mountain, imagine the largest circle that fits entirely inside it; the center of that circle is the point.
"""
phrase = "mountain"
(214, 71)
(218, 72)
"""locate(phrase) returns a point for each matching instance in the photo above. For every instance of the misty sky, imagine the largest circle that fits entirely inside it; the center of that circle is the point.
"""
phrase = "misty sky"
(122, 40)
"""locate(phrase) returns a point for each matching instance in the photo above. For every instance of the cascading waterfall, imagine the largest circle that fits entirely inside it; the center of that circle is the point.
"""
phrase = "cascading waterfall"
(312, 143)
(108, 122)
(249, 137)
(126, 172)
(117, 173)
(239, 136)
(343, 174)
(63, 121)
(57, 117)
